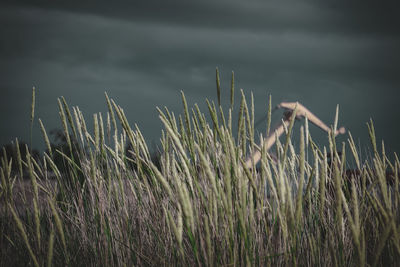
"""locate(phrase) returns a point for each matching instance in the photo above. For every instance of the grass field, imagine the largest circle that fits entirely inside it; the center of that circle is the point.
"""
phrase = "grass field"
(101, 204)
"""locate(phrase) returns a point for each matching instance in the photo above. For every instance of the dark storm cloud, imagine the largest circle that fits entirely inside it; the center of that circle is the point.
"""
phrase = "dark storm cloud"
(143, 52)
(312, 21)
(324, 16)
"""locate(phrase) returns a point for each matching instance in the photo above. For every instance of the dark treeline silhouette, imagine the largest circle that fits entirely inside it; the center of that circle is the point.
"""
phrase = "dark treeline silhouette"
(10, 151)
(58, 143)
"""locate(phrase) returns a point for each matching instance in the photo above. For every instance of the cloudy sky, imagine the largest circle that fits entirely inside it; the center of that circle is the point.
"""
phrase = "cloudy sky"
(320, 53)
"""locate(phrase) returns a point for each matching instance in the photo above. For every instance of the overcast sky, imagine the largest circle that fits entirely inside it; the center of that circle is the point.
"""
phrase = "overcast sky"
(320, 53)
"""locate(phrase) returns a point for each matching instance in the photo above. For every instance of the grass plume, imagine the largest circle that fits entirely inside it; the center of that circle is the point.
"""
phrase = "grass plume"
(109, 203)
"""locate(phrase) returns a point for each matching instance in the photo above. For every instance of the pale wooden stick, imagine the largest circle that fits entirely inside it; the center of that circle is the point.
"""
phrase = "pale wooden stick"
(270, 141)
(301, 111)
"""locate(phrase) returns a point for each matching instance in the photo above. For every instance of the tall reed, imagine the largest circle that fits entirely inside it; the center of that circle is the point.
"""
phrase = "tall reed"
(110, 204)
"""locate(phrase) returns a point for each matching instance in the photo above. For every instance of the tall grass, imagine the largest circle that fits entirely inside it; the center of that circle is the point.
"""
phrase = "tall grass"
(108, 206)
